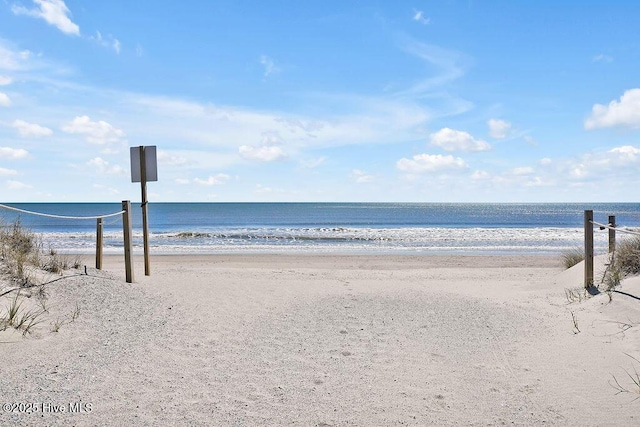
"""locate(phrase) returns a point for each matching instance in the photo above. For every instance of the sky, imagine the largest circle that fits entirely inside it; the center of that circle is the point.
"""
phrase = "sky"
(314, 101)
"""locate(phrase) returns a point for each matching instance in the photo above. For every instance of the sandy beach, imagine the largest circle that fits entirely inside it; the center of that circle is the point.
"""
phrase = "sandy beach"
(326, 340)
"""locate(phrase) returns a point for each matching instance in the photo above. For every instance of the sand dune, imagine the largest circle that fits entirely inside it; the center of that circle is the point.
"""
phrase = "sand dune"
(328, 341)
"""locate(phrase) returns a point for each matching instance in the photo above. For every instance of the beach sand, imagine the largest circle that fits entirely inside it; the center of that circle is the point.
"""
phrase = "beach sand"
(327, 340)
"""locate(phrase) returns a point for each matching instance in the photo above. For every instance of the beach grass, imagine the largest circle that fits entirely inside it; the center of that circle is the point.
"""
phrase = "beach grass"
(627, 256)
(23, 261)
(18, 317)
(21, 252)
(575, 294)
(623, 262)
(574, 320)
(633, 379)
(572, 257)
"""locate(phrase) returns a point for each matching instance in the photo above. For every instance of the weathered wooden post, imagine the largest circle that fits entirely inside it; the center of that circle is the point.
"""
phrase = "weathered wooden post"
(612, 234)
(588, 249)
(128, 244)
(145, 210)
(99, 244)
(144, 168)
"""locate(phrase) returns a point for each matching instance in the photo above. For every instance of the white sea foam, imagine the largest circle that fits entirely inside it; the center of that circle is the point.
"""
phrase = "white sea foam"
(340, 239)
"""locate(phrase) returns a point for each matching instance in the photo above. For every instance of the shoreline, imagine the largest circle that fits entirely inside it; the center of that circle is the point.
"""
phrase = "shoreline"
(334, 260)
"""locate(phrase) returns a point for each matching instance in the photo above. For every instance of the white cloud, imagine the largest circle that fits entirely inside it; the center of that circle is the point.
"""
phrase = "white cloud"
(182, 181)
(480, 175)
(218, 179)
(103, 167)
(167, 159)
(418, 16)
(546, 161)
(263, 154)
(455, 140)
(522, 171)
(625, 112)
(5, 80)
(94, 132)
(269, 66)
(360, 120)
(428, 163)
(109, 42)
(270, 138)
(55, 12)
(361, 177)
(617, 162)
(602, 58)
(363, 120)
(611, 169)
(12, 60)
(13, 153)
(5, 101)
(104, 189)
(313, 163)
(538, 181)
(8, 172)
(579, 171)
(266, 190)
(449, 66)
(626, 152)
(17, 185)
(28, 130)
(498, 128)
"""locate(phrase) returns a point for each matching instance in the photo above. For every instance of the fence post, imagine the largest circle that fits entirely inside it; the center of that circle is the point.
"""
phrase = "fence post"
(145, 210)
(99, 244)
(612, 234)
(588, 249)
(128, 246)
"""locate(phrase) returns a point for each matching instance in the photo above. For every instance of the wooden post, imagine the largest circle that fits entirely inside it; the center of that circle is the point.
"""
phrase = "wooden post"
(145, 223)
(612, 234)
(588, 249)
(128, 244)
(99, 244)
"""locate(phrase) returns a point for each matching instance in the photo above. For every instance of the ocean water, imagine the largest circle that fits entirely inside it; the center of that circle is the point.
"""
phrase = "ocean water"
(411, 228)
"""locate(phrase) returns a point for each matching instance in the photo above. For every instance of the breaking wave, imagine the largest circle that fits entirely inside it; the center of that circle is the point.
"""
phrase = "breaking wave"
(340, 239)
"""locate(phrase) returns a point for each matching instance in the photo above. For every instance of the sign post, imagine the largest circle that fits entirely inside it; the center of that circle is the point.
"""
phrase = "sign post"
(126, 233)
(144, 167)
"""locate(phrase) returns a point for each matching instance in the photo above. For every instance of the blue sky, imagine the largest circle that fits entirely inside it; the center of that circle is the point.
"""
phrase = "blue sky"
(423, 101)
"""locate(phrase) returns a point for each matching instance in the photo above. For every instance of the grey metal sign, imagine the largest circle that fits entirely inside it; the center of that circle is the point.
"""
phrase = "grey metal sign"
(151, 163)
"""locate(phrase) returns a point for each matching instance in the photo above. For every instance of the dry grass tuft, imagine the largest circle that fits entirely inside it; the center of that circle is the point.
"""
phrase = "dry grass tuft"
(18, 318)
(572, 257)
(633, 378)
(627, 257)
(22, 259)
(575, 294)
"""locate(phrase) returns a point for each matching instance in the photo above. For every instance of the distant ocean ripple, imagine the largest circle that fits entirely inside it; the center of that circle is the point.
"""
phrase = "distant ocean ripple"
(334, 227)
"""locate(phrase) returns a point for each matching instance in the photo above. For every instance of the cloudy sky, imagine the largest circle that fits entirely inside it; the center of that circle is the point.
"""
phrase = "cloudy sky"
(424, 101)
